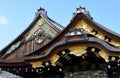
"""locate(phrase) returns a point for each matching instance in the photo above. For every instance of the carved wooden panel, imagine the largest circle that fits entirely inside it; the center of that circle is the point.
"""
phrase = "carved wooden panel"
(39, 35)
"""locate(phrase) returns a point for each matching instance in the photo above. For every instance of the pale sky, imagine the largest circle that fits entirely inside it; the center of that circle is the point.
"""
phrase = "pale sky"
(16, 15)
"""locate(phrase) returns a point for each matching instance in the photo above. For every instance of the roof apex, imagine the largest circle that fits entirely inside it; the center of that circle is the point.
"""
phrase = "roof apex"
(41, 11)
(82, 9)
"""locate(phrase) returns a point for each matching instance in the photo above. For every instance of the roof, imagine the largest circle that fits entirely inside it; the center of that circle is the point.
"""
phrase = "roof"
(56, 42)
(77, 17)
(40, 14)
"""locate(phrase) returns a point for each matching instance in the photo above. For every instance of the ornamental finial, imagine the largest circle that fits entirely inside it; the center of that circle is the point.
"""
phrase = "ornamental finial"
(41, 11)
(83, 10)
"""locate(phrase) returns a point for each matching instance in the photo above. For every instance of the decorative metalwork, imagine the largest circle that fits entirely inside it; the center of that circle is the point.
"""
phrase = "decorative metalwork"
(39, 41)
(41, 11)
(77, 50)
(83, 10)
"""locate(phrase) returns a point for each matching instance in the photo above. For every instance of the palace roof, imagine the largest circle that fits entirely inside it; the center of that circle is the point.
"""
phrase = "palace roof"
(90, 33)
(41, 14)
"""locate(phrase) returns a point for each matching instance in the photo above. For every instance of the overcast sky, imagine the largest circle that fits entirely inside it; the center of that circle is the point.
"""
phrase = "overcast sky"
(16, 15)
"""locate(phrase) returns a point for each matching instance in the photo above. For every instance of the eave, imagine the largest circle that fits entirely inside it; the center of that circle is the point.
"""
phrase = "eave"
(60, 45)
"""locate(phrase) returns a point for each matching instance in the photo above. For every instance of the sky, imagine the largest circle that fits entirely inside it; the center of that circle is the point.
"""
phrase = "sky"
(16, 15)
